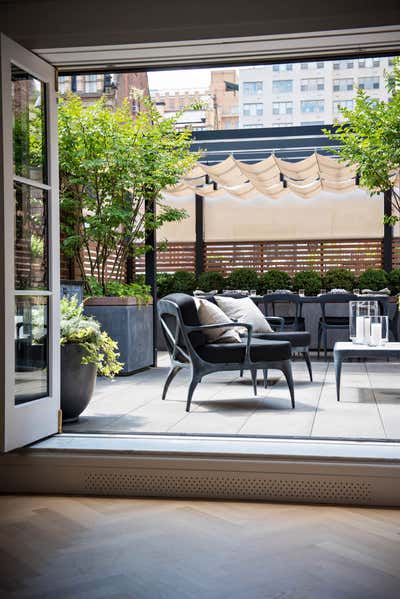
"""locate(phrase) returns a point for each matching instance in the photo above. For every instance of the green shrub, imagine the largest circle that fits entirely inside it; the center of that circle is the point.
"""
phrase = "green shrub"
(339, 278)
(394, 281)
(374, 279)
(274, 279)
(184, 282)
(117, 289)
(165, 284)
(208, 281)
(309, 280)
(243, 279)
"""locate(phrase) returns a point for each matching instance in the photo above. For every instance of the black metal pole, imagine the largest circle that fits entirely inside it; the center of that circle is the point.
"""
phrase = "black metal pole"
(387, 232)
(199, 248)
(151, 270)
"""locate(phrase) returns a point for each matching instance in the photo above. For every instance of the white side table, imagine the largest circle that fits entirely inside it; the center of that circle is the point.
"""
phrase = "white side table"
(347, 349)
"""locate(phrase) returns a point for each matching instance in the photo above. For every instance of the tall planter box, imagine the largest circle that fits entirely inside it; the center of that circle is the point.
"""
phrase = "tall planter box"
(128, 324)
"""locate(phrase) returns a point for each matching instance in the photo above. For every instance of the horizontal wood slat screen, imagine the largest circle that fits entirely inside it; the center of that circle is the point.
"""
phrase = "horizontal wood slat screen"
(290, 256)
(294, 256)
(177, 256)
(396, 252)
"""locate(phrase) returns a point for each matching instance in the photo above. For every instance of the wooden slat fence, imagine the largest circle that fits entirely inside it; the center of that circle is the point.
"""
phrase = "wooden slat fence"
(291, 256)
(177, 256)
(294, 256)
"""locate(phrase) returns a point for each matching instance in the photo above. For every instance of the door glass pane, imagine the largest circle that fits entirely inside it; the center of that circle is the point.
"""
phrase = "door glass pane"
(31, 348)
(31, 251)
(29, 125)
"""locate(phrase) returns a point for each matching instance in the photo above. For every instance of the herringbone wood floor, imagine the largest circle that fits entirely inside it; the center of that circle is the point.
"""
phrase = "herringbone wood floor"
(163, 549)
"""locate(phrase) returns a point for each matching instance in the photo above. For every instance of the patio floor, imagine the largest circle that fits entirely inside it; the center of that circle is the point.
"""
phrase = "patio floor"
(224, 404)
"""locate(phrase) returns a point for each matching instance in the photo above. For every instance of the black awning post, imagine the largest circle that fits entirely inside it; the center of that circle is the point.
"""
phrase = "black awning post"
(199, 245)
(151, 270)
(387, 232)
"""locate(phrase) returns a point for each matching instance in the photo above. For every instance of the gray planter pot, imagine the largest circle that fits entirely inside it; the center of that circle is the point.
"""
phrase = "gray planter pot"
(131, 326)
(77, 382)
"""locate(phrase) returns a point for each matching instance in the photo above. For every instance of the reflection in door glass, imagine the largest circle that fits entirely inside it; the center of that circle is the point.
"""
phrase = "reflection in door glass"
(29, 125)
(30, 237)
(31, 348)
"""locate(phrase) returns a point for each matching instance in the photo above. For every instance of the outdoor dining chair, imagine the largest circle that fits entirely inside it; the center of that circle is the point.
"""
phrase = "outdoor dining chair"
(331, 322)
(292, 303)
(188, 348)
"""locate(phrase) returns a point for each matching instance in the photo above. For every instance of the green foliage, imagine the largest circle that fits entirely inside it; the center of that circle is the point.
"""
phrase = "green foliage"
(394, 281)
(374, 279)
(184, 282)
(165, 284)
(117, 289)
(211, 280)
(274, 279)
(309, 280)
(111, 168)
(339, 278)
(369, 138)
(98, 347)
(243, 279)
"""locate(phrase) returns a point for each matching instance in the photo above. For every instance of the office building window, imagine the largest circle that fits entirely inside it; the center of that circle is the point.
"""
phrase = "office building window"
(254, 126)
(250, 88)
(312, 85)
(338, 104)
(364, 63)
(282, 107)
(64, 84)
(311, 65)
(368, 82)
(312, 106)
(90, 84)
(253, 109)
(282, 67)
(343, 64)
(343, 85)
(282, 86)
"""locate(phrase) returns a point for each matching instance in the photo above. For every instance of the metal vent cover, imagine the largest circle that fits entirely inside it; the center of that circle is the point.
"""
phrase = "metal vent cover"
(226, 486)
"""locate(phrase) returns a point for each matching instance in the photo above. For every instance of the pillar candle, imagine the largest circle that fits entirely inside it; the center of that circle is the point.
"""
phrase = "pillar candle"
(360, 329)
(376, 333)
(367, 329)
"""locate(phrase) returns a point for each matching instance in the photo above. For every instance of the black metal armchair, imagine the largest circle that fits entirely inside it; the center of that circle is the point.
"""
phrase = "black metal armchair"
(188, 347)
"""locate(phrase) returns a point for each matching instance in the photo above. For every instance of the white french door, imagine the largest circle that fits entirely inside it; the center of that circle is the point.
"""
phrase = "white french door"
(29, 248)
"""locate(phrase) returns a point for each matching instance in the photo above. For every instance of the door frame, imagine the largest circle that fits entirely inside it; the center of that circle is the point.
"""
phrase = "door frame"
(30, 421)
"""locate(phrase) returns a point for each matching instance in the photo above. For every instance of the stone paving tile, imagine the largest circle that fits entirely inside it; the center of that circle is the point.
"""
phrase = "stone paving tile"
(224, 403)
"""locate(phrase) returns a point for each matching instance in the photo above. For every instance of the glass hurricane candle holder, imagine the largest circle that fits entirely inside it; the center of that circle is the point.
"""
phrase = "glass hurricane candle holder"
(378, 329)
(359, 326)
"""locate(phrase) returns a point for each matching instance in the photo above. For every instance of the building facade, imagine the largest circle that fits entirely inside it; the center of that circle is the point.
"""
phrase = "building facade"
(308, 93)
(115, 88)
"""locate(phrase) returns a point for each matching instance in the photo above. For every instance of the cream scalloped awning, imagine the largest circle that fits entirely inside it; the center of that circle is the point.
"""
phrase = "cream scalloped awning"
(272, 177)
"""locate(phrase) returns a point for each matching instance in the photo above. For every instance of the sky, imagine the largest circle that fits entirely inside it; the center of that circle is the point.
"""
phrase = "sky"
(180, 79)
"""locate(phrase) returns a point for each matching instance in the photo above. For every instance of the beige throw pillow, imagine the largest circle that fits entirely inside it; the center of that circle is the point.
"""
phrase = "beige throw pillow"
(244, 310)
(209, 313)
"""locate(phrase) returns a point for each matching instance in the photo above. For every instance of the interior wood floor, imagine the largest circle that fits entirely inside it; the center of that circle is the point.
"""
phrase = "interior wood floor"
(77, 547)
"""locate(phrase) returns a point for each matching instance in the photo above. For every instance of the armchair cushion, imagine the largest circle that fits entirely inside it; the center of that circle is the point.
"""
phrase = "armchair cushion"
(295, 338)
(244, 310)
(231, 353)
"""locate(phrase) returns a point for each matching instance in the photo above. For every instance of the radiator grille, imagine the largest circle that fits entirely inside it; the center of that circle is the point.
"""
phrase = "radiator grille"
(313, 489)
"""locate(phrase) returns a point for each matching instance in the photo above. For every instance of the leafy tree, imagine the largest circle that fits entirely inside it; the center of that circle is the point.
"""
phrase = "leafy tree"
(369, 138)
(112, 171)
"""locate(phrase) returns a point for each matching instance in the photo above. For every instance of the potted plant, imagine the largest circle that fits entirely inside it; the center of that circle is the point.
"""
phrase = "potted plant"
(112, 171)
(85, 352)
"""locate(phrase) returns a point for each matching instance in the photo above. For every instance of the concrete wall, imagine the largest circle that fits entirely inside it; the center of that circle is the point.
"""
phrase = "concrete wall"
(326, 216)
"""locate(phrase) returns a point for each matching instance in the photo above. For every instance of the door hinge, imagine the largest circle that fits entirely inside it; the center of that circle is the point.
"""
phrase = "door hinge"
(56, 79)
(60, 421)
